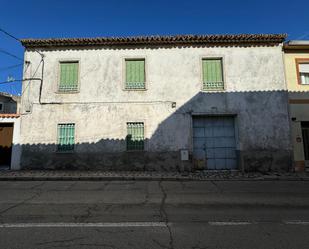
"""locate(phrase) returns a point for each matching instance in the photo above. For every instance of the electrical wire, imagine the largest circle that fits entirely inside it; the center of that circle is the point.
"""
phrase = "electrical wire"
(10, 54)
(31, 78)
(42, 61)
(10, 35)
(10, 81)
(13, 66)
(10, 67)
(36, 70)
(15, 38)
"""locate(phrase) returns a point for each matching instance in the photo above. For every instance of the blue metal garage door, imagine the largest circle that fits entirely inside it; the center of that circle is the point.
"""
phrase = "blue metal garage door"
(214, 145)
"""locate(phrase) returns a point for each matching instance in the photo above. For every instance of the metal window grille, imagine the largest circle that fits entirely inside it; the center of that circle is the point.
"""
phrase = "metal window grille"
(135, 136)
(68, 77)
(135, 74)
(66, 137)
(212, 74)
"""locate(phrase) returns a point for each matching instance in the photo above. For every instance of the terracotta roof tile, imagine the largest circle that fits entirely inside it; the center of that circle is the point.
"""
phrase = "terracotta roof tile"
(9, 115)
(251, 39)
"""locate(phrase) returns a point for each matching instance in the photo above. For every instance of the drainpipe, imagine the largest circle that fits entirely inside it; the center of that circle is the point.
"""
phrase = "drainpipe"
(42, 77)
(288, 111)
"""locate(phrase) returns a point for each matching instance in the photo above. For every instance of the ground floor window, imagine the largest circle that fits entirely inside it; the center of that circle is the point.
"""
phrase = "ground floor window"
(135, 136)
(66, 137)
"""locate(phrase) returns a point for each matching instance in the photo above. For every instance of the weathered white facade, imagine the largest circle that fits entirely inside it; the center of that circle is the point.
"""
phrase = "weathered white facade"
(254, 96)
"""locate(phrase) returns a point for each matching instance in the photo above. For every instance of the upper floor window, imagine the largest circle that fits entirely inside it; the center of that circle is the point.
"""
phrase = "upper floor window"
(68, 76)
(1, 107)
(135, 74)
(66, 137)
(212, 74)
(303, 68)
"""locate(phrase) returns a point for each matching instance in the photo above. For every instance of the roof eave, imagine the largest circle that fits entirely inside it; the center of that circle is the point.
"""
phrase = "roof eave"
(218, 40)
(295, 47)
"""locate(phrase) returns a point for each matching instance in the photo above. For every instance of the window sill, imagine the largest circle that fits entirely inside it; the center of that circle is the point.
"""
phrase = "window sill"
(65, 152)
(135, 89)
(67, 92)
(213, 90)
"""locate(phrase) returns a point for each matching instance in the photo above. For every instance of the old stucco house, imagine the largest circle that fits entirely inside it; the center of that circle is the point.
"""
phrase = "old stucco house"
(156, 103)
(297, 77)
(9, 131)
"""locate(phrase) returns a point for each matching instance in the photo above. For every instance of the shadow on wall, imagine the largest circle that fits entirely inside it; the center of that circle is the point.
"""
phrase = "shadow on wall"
(5, 155)
(94, 156)
(262, 138)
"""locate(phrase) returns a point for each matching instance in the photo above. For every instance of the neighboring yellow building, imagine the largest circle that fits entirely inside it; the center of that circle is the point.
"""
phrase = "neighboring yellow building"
(296, 55)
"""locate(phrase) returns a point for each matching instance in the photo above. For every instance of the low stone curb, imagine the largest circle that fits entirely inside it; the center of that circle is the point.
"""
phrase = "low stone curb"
(149, 178)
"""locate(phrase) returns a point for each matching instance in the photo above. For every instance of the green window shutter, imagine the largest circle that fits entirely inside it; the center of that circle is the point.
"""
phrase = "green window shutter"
(212, 74)
(68, 76)
(135, 136)
(66, 137)
(135, 74)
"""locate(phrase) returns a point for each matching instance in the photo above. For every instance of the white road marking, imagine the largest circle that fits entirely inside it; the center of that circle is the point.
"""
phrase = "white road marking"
(229, 223)
(296, 222)
(111, 224)
(135, 224)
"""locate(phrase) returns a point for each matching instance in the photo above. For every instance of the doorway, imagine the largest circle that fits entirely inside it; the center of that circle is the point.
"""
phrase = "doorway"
(6, 138)
(214, 144)
(305, 134)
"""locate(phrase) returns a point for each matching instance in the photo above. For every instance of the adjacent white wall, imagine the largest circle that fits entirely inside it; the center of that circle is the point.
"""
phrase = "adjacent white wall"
(16, 146)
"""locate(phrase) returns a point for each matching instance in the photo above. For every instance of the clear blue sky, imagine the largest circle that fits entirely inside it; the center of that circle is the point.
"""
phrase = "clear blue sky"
(89, 18)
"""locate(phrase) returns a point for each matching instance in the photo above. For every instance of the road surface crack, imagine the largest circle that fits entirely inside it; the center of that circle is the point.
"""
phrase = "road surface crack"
(146, 196)
(89, 213)
(60, 241)
(217, 186)
(37, 185)
(105, 185)
(98, 244)
(159, 244)
(164, 215)
(71, 186)
(37, 194)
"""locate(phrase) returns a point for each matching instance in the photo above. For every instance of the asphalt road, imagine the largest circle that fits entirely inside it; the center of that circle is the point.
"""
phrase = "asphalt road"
(152, 214)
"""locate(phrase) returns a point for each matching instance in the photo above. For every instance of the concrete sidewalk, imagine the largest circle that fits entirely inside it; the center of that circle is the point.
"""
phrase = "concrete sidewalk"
(58, 175)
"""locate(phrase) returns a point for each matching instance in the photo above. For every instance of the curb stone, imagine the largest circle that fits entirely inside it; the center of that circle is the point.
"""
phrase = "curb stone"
(64, 175)
(117, 178)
